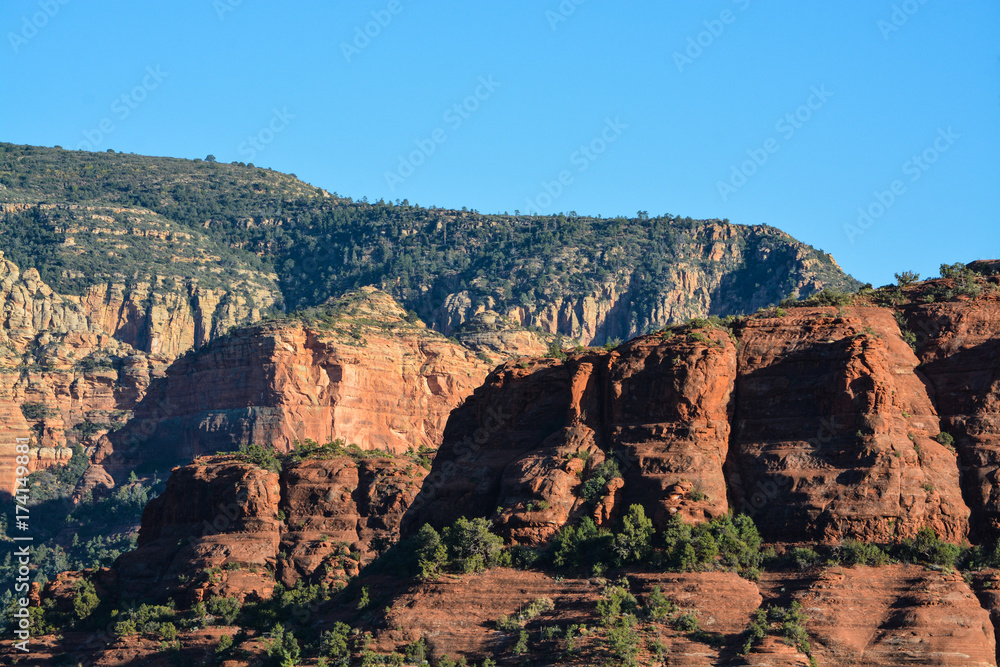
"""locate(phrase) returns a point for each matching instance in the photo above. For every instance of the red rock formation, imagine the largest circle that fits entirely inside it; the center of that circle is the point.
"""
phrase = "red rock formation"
(223, 527)
(833, 431)
(527, 439)
(340, 513)
(369, 377)
(213, 513)
(896, 614)
(959, 347)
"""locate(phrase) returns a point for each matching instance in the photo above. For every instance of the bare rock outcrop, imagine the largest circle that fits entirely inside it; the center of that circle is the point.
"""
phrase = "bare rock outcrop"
(833, 432)
(528, 439)
(364, 374)
(223, 527)
(958, 343)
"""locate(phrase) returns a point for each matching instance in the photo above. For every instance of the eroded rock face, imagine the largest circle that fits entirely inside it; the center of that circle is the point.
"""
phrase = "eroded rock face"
(897, 614)
(370, 378)
(526, 441)
(81, 363)
(715, 267)
(213, 513)
(223, 527)
(833, 432)
(959, 347)
(342, 512)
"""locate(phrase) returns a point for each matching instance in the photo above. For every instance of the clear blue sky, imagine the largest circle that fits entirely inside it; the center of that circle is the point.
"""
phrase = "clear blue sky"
(663, 119)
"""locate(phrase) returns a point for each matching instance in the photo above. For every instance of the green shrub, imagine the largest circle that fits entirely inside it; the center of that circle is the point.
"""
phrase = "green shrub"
(416, 652)
(262, 457)
(634, 541)
(225, 643)
(85, 600)
(853, 552)
(34, 410)
(686, 622)
(333, 645)
(616, 600)
(755, 632)
(429, 551)
(225, 608)
(282, 647)
(521, 647)
(600, 476)
(581, 546)
(623, 642)
(535, 608)
(789, 624)
(803, 557)
(926, 547)
(471, 546)
(728, 542)
(658, 607)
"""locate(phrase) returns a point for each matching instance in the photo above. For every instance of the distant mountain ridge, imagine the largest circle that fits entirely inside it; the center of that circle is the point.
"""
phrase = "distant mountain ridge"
(260, 236)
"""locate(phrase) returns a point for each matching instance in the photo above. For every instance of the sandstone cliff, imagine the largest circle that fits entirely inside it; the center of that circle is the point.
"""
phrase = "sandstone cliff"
(834, 429)
(74, 367)
(358, 371)
(225, 528)
(527, 441)
(958, 343)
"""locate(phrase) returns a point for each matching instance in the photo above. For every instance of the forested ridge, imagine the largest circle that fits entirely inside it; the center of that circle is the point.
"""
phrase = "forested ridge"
(82, 217)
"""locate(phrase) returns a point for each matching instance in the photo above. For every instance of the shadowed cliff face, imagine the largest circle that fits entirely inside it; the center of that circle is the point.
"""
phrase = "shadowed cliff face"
(833, 431)
(526, 444)
(959, 348)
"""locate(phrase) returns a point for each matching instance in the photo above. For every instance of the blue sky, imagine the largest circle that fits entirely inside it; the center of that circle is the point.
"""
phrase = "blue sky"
(868, 129)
